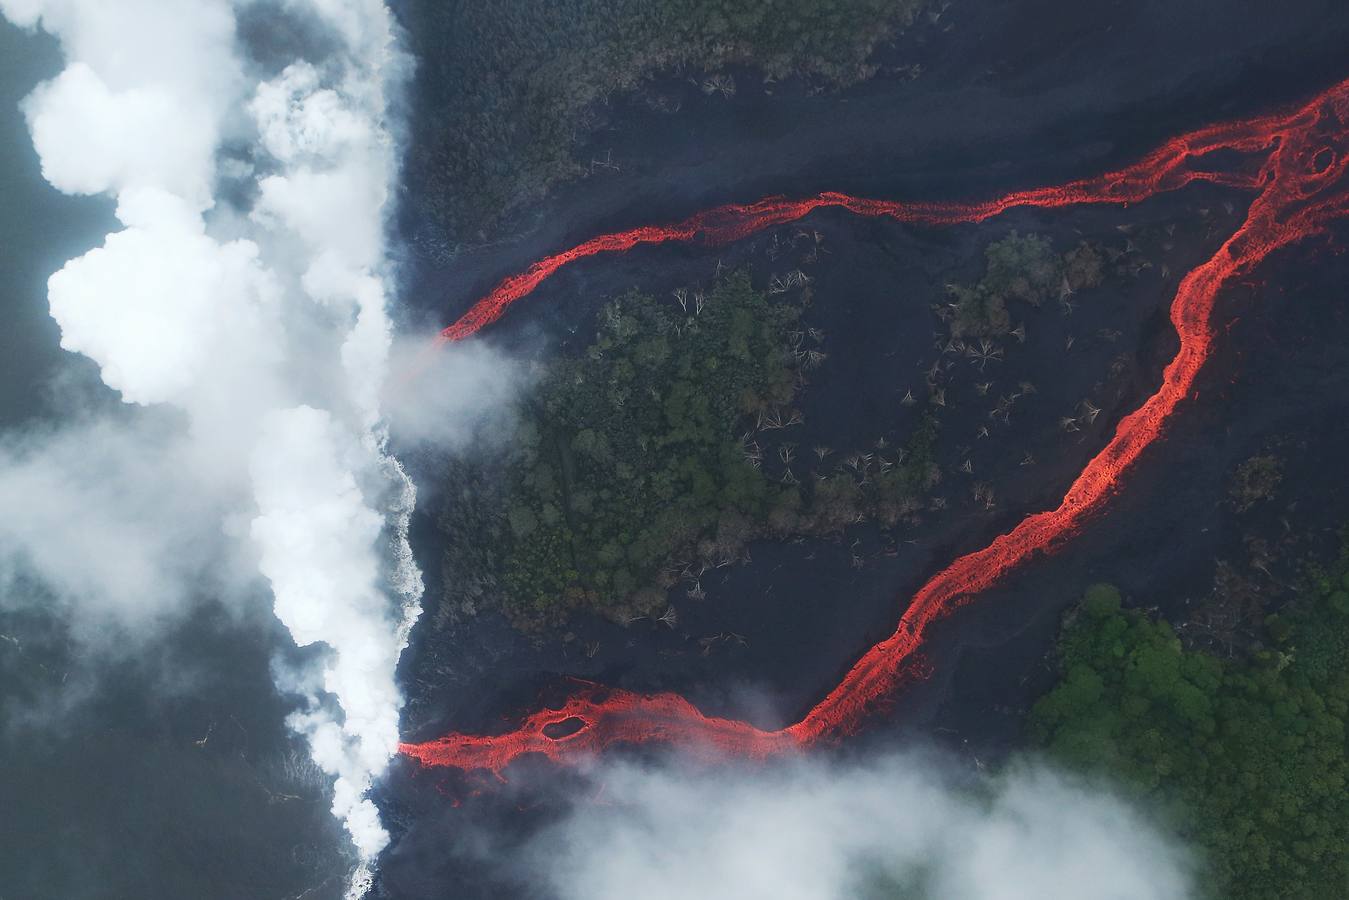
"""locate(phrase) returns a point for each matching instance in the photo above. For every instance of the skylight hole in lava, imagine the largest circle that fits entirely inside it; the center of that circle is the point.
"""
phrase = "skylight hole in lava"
(564, 728)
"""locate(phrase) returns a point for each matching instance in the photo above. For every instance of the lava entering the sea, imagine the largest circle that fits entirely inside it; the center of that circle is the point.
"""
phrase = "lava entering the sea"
(1298, 186)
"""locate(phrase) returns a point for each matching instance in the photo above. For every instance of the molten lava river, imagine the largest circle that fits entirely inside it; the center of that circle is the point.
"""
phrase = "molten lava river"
(1293, 162)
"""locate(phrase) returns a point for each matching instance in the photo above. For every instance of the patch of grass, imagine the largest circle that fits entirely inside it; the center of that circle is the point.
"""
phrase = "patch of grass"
(1256, 479)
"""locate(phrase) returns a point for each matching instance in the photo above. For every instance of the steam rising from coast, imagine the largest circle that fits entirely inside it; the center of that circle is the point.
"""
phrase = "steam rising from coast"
(241, 312)
(242, 307)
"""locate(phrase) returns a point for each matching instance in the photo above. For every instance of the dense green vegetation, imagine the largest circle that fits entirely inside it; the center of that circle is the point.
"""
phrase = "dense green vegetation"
(508, 89)
(1246, 757)
(629, 453)
(1018, 267)
(659, 452)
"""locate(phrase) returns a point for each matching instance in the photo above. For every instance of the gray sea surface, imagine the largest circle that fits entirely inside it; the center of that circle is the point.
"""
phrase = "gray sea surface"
(165, 771)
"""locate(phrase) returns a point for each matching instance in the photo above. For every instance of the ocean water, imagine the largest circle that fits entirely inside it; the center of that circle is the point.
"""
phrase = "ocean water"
(39, 229)
(168, 773)
(164, 771)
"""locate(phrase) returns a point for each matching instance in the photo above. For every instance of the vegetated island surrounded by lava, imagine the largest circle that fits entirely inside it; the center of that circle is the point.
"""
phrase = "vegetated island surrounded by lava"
(1292, 162)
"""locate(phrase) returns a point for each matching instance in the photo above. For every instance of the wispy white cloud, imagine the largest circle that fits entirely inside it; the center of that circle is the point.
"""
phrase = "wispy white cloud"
(448, 397)
(110, 518)
(898, 827)
(259, 339)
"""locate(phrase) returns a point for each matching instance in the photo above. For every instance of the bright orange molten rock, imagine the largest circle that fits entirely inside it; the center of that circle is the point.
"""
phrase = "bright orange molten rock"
(1298, 190)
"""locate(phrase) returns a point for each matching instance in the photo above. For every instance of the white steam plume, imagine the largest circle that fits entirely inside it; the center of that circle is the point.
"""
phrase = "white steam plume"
(897, 827)
(262, 323)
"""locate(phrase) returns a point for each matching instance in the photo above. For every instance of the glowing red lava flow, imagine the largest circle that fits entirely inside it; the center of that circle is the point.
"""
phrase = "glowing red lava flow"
(1302, 159)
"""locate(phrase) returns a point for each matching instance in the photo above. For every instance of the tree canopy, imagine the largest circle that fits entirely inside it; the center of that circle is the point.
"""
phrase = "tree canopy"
(1245, 758)
(660, 451)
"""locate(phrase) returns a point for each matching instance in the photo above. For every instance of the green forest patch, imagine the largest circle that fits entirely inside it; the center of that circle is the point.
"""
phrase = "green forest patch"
(641, 461)
(1245, 757)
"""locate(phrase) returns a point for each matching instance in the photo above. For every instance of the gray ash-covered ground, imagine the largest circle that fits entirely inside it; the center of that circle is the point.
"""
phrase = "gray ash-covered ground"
(1278, 383)
(1009, 100)
(772, 635)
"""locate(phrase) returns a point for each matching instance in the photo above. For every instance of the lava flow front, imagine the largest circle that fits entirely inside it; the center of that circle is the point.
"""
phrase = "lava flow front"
(1294, 162)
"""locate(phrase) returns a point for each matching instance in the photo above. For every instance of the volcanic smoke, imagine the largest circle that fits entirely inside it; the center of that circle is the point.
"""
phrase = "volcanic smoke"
(1295, 165)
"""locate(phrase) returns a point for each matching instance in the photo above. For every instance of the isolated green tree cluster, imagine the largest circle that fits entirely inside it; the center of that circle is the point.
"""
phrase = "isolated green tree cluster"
(1024, 268)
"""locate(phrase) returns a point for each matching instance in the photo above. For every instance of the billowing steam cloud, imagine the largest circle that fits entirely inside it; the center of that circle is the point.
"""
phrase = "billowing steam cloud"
(893, 828)
(241, 313)
(256, 331)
